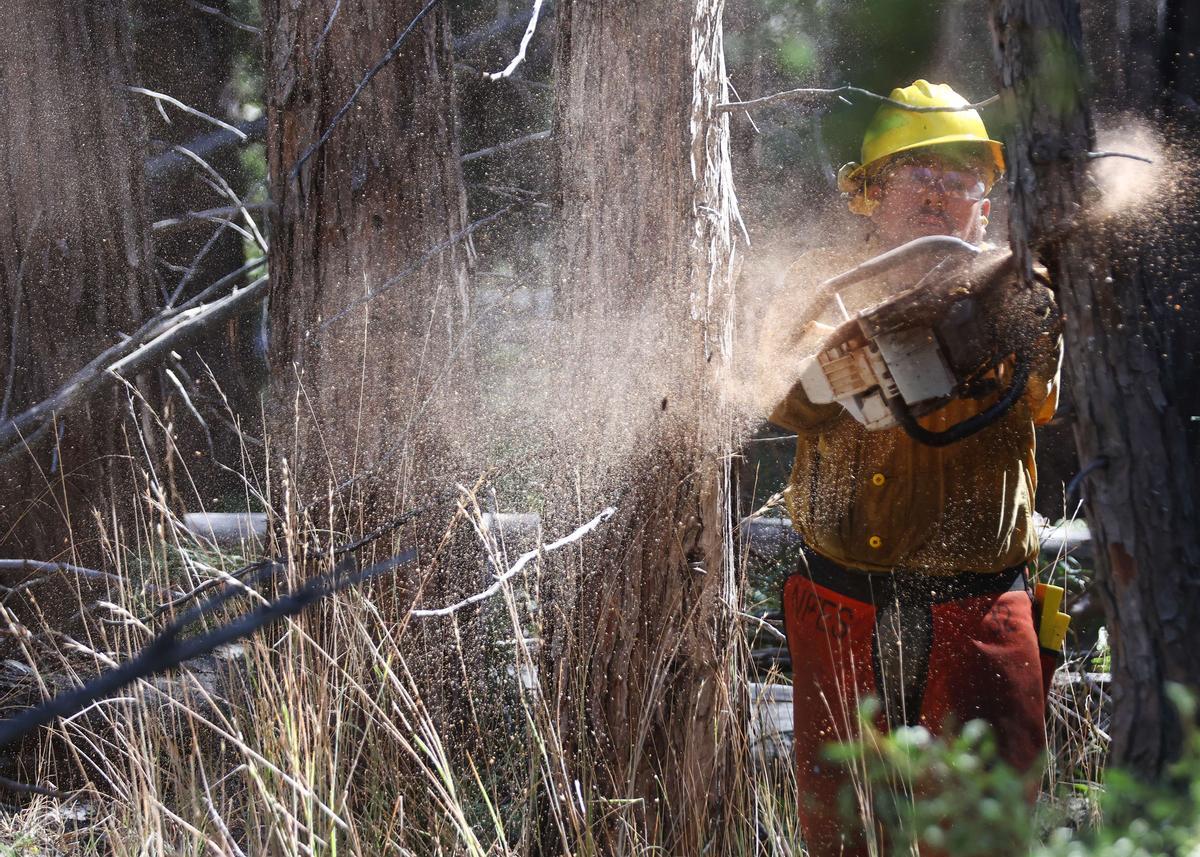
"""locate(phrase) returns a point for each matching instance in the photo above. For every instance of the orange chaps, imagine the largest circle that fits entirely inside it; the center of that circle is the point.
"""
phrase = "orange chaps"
(935, 651)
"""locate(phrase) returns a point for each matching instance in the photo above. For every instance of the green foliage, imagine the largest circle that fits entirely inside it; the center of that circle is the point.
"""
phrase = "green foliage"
(922, 789)
(953, 793)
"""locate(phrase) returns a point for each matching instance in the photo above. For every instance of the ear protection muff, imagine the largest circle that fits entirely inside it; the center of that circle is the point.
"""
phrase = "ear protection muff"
(852, 181)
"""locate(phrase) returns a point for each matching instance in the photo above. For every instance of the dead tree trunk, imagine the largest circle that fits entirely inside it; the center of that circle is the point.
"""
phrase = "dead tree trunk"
(1123, 372)
(73, 265)
(640, 632)
(381, 192)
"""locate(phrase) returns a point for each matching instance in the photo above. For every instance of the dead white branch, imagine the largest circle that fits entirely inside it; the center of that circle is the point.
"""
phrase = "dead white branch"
(499, 148)
(166, 165)
(200, 114)
(152, 342)
(525, 39)
(814, 94)
(516, 568)
(765, 625)
(209, 214)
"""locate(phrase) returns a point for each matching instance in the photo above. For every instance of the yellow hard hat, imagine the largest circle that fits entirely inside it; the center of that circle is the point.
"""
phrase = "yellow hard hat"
(894, 130)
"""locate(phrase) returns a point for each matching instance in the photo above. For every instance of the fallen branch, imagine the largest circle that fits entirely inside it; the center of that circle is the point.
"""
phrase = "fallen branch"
(516, 568)
(228, 19)
(33, 565)
(165, 165)
(1095, 155)
(765, 625)
(812, 94)
(29, 788)
(167, 651)
(199, 114)
(150, 343)
(187, 323)
(219, 213)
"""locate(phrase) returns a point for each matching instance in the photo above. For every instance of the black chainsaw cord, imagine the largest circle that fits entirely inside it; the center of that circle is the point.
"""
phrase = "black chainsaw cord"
(969, 426)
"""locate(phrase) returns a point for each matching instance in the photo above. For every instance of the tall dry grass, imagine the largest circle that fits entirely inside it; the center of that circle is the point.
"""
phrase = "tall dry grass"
(329, 733)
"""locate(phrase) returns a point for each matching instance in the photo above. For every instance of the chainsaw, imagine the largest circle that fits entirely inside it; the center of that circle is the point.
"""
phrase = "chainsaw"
(955, 318)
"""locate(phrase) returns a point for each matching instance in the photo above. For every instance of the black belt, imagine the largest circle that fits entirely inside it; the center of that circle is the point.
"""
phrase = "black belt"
(875, 587)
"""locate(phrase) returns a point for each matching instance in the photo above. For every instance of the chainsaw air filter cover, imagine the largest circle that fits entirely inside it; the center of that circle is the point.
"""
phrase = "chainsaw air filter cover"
(934, 340)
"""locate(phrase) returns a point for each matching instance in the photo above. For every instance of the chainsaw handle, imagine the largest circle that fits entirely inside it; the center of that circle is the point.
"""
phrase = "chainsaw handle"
(969, 426)
(947, 245)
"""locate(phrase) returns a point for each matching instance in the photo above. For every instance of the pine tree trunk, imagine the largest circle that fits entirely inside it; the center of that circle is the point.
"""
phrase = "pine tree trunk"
(366, 393)
(1124, 370)
(639, 643)
(74, 270)
(385, 189)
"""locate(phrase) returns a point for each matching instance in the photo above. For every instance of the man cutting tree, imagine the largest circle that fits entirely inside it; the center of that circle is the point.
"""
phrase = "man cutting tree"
(914, 474)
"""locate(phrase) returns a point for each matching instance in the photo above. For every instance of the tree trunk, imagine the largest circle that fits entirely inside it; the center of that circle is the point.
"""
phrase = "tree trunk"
(1124, 367)
(639, 639)
(73, 265)
(383, 190)
(373, 388)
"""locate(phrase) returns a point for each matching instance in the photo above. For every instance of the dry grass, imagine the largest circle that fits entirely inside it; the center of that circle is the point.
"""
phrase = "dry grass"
(353, 728)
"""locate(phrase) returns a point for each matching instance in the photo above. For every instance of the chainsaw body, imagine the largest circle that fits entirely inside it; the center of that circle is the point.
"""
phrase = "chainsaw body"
(943, 337)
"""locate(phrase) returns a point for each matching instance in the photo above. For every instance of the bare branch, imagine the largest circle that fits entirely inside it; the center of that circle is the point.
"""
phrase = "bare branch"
(199, 114)
(38, 566)
(163, 166)
(218, 213)
(228, 19)
(168, 650)
(187, 324)
(151, 343)
(525, 39)
(809, 94)
(224, 188)
(1095, 155)
(516, 568)
(765, 625)
(506, 147)
(337, 7)
(388, 56)
(28, 788)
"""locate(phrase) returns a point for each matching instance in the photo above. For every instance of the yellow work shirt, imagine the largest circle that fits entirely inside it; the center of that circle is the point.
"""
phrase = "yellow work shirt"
(879, 500)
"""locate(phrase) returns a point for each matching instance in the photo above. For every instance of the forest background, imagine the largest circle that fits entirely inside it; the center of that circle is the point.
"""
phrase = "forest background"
(349, 267)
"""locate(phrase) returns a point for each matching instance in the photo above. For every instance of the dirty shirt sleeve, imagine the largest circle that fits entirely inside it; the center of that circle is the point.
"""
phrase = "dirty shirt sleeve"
(796, 413)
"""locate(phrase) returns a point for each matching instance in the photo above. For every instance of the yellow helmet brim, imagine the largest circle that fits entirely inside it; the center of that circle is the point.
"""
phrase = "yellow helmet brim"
(995, 147)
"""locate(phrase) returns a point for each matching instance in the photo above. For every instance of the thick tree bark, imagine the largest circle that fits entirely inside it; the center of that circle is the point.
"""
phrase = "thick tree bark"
(1124, 374)
(639, 637)
(382, 191)
(73, 264)
(366, 393)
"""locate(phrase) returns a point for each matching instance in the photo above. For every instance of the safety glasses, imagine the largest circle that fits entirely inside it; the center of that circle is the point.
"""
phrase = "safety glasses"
(922, 178)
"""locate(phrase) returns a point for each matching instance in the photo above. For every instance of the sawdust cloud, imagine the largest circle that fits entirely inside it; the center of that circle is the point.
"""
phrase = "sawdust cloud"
(590, 394)
(574, 400)
(1131, 189)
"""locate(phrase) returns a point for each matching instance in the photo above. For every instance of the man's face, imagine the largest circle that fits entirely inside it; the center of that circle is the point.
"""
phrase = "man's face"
(929, 195)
